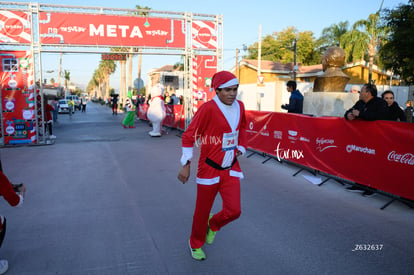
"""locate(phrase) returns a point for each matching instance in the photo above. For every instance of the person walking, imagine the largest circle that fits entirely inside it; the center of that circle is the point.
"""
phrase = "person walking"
(14, 195)
(71, 106)
(83, 104)
(114, 101)
(130, 108)
(219, 126)
(296, 99)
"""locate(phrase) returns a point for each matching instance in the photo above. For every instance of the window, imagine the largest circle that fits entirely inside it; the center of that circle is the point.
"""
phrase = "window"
(169, 79)
(10, 65)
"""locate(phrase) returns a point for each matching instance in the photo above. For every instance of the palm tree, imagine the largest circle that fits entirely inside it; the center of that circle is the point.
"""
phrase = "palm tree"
(67, 79)
(107, 67)
(374, 34)
(333, 35)
(98, 78)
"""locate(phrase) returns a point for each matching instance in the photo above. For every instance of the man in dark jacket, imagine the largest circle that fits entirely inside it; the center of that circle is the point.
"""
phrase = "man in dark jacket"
(394, 110)
(369, 106)
(296, 99)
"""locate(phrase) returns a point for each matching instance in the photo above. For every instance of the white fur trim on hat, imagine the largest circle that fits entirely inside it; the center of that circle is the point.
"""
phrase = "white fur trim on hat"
(229, 83)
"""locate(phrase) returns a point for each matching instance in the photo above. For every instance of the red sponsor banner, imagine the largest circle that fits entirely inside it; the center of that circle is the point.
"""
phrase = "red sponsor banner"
(204, 67)
(204, 35)
(17, 97)
(15, 27)
(378, 154)
(113, 30)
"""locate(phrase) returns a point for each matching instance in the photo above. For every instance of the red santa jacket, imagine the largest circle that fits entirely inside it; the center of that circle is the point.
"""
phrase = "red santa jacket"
(6, 190)
(219, 141)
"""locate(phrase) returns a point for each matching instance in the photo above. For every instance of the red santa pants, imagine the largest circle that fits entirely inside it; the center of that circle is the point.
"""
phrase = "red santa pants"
(229, 188)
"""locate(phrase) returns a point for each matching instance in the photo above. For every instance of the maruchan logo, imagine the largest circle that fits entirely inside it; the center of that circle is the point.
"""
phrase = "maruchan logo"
(406, 158)
(365, 150)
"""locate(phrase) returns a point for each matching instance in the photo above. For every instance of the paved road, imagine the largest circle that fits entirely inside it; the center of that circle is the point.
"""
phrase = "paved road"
(105, 200)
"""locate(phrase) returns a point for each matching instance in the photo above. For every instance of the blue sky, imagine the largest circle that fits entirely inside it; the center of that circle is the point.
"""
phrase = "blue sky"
(241, 20)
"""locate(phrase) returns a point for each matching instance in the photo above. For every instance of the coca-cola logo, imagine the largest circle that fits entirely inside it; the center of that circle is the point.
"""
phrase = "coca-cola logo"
(406, 158)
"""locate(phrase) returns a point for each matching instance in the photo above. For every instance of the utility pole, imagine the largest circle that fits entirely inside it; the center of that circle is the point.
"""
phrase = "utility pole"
(259, 54)
(294, 60)
(237, 64)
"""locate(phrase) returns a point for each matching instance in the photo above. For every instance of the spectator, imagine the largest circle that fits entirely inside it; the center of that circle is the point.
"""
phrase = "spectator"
(14, 195)
(218, 169)
(296, 99)
(368, 107)
(395, 112)
(55, 105)
(355, 89)
(174, 100)
(167, 98)
(49, 121)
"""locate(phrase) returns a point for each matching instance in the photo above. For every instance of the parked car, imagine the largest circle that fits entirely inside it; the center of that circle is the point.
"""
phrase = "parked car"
(75, 99)
(63, 106)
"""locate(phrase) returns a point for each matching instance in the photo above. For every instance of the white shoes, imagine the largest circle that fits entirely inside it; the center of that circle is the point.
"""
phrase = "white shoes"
(52, 137)
(4, 266)
(154, 134)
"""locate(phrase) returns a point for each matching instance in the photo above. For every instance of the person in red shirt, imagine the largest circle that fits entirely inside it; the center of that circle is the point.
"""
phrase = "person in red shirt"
(14, 195)
(219, 128)
(49, 109)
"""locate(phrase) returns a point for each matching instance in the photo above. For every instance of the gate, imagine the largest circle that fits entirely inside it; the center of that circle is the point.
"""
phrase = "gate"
(29, 29)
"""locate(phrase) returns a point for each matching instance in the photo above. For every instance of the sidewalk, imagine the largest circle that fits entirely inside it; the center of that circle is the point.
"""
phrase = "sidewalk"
(105, 200)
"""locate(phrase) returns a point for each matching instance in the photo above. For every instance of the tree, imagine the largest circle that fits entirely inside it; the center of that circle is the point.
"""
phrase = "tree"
(278, 47)
(352, 41)
(66, 75)
(374, 34)
(333, 35)
(107, 67)
(398, 53)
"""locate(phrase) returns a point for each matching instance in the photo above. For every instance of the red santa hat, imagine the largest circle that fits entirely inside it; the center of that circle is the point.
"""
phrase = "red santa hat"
(223, 79)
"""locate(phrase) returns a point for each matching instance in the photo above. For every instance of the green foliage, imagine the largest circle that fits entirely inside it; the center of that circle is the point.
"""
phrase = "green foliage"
(278, 47)
(398, 53)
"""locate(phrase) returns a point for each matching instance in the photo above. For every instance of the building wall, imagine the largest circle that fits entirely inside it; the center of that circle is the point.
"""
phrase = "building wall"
(358, 75)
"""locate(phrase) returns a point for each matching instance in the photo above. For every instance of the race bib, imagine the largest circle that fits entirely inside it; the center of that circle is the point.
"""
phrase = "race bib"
(230, 141)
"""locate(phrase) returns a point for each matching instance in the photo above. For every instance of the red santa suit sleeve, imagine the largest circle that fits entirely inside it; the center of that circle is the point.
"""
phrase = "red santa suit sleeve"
(6, 190)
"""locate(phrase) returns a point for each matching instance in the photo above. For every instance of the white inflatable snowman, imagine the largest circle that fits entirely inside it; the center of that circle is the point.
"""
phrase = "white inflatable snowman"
(156, 110)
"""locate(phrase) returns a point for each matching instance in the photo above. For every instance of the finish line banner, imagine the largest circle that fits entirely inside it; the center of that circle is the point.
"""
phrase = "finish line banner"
(379, 154)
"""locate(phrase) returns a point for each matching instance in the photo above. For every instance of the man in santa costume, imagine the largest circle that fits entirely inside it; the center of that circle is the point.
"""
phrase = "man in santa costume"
(14, 195)
(219, 127)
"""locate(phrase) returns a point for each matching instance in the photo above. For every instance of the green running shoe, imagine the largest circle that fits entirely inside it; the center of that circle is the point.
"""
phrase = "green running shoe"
(210, 233)
(197, 253)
